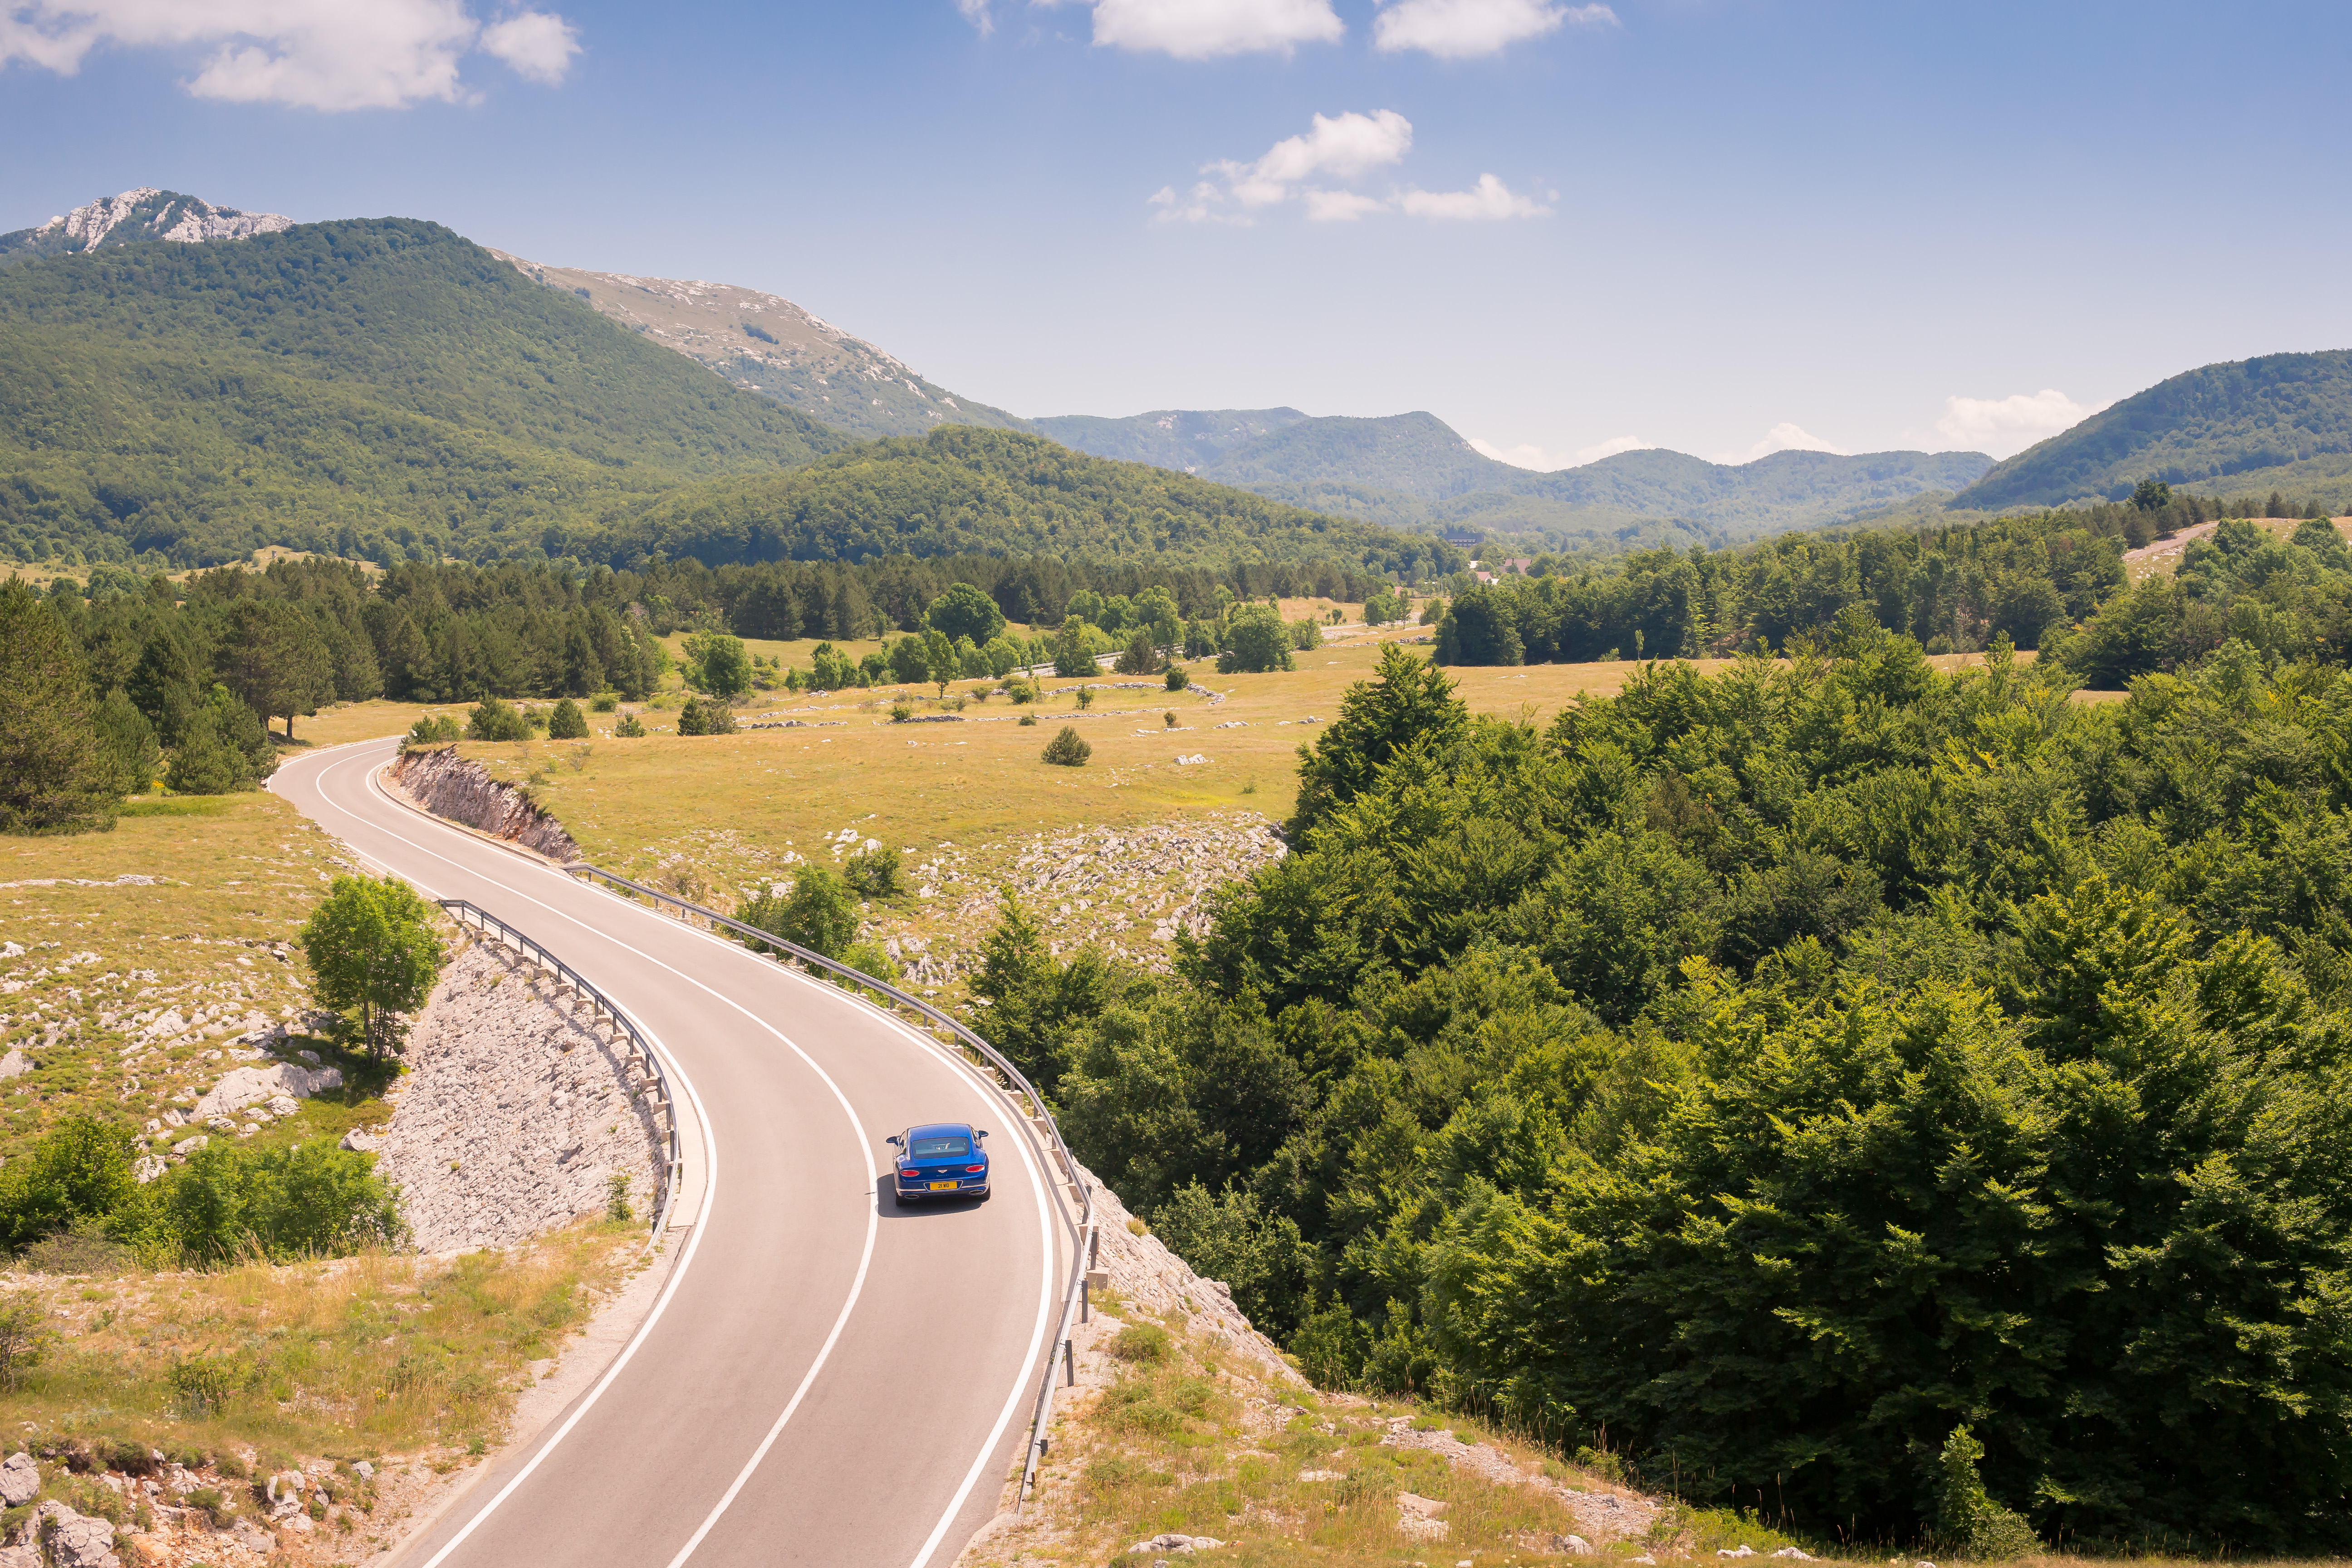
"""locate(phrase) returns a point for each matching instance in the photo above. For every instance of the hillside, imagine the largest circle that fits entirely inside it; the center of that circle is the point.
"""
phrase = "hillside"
(144, 213)
(1185, 438)
(961, 490)
(765, 343)
(1413, 471)
(2282, 422)
(383, 388)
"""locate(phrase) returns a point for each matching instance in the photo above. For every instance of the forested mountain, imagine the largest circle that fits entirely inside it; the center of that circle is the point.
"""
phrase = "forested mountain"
(2280, 422)
(966, 490)
(145, 213)
(1186, 438)
(383, 388)
(765, 343)
(1413, 471)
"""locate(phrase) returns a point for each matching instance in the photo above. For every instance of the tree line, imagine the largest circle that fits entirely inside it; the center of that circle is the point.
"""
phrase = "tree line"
(2052, 581)
(1773, 1080)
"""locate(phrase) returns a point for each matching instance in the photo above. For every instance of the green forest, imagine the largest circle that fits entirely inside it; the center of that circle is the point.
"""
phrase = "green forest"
(2054, 581)
(1756, 1079)
(389, 391)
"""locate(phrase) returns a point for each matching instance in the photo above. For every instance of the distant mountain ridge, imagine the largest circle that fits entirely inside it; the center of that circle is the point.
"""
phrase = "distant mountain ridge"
(142, 213)
(765, 343)
(1414, 470)
(2278, 422)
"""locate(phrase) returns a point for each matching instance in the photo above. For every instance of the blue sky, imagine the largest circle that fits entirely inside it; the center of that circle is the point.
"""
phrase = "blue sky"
(1713, 225)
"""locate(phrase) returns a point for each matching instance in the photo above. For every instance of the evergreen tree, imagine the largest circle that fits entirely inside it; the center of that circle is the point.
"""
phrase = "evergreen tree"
(1409, 700)
(56, 774)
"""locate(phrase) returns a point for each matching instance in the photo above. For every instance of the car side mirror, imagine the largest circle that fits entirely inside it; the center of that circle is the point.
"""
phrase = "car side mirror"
(892, 1138)
(979, 1134)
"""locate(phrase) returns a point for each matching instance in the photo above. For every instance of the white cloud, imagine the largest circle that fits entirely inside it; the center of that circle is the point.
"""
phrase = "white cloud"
(1489, 198)
(309, 54)
(976, 13)
(1461, 29)
(1781, 437)
(536, 44)
(1204, 29)
(1339, 147)
(2000, 426)
(1341, 206)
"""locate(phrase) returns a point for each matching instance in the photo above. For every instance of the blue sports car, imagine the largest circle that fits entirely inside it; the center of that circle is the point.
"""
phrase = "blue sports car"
(941, 1160)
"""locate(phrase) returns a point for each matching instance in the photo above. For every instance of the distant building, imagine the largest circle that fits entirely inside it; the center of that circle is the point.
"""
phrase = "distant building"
(1462, 538)
(1517, 567)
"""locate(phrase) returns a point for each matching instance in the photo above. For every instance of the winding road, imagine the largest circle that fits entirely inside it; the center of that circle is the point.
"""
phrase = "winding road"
(825, 1378)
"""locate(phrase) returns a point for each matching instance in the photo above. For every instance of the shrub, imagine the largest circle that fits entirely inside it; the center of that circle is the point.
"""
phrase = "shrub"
(567, 722)
(706, 716)
(616, 1198)
(1021, 691)
(629, 728)
(25, 1337)
(309, 1200)
(604, 702)
(79, 1171)
(1027, 719)
(1305, 635)
(1140, 1344)
(203, 1383)
(435, 730)
(1068, 749)
(1169, 719)
(494, 719)
(1259, 1256)
(1083, 697)
(820, 913)
(1177, 679)
(875, 873)
(902, 712)
(372, 950)
(1967, 1518)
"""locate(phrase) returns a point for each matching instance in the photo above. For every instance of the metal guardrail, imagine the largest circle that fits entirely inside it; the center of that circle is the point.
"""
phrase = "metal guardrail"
(491, 926)
(1083, 1241)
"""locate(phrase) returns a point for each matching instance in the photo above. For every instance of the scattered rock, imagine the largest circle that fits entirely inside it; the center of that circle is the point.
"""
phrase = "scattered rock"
(147, 1167)
(1179, 1544)
(1319, 1475)
(1417, 1517)
(1574, 1545)
(15, 1064)
(1742, 1550)
(75, 1540)
(253, 1538)
(361, 1142)
(187, 1146)
(20, 1480)
(1796, 1554)
(488, 1057)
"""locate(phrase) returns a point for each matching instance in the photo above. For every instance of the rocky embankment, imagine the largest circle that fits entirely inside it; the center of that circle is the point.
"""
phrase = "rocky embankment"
(448, 785)
(516, 1112)
(140, 1506)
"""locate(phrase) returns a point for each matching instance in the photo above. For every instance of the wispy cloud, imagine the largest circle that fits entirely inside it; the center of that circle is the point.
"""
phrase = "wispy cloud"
(976, 13)
(2002, 426)
(1318, 169)
(1463, 29)
(1781, 437)
(308, 54)
(1207, 29)
(1610, 447)
(1546, 462)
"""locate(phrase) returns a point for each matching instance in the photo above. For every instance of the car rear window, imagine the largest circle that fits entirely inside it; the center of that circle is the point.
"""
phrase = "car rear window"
(937, 1148)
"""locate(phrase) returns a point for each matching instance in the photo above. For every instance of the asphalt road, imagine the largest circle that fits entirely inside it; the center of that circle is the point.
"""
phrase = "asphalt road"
(826, 1378)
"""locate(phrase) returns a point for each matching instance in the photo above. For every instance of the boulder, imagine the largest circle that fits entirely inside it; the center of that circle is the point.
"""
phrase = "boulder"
(361, 1142)
(241, 1086)
(147, 1168)
(15, 1064)
(21, 1557)
(187, 1146)
(253, 1538)
(74, 1539)
(20, 1480)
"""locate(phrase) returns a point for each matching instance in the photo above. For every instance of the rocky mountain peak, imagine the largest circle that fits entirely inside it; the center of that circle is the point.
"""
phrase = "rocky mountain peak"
(142, 213)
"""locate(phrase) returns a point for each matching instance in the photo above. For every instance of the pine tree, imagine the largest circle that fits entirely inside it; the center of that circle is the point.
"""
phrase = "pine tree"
(57, 773)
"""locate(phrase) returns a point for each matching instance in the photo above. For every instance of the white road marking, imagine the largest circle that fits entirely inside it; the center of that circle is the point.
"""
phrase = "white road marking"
(1038, 1186)
(857, 1130)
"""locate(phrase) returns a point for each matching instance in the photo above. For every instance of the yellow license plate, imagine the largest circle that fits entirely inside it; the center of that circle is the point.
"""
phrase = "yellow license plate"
(942, 1186)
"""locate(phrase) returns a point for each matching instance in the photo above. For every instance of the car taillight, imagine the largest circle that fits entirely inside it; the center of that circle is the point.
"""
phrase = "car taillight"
(974, 1169)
